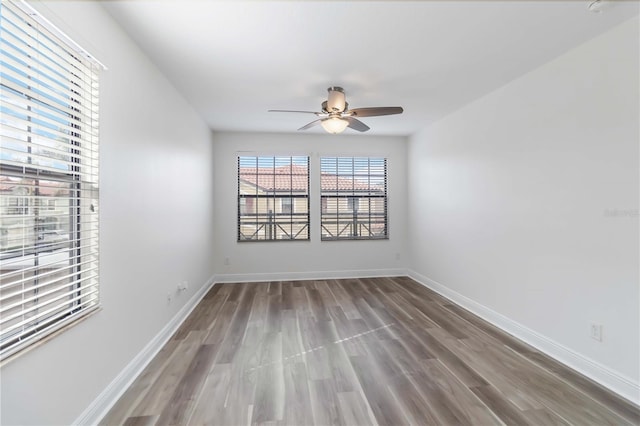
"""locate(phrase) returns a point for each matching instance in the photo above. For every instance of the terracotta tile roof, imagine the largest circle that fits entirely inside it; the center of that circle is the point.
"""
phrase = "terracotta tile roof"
(294, 178)
(6, 184)
(49, 189)
(285, 178)
(330, 182)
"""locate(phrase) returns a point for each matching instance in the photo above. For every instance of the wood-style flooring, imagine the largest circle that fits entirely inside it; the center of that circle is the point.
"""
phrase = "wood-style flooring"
(384, 351)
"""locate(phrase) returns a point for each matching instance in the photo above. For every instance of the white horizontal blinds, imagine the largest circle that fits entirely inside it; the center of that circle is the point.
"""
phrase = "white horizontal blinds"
(273, 198)
(48, 181)
(353, 198)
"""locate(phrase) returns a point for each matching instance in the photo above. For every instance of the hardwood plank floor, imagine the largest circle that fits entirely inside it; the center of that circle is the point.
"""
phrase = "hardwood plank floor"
(376, 351)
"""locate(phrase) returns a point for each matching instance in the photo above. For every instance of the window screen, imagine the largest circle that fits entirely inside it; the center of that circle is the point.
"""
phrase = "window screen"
(273, 198)
(353, 198)
(48, 180)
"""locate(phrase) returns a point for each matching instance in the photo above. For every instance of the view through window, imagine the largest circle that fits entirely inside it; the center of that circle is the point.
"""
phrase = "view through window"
(273, 198)
(353, 198)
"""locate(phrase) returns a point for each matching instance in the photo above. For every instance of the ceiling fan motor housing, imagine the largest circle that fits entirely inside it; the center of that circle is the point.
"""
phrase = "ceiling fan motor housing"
(336, 100)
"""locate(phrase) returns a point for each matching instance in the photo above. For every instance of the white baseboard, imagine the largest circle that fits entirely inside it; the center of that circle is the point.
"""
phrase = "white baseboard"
(110, 395)
(623, 386)
(317, 275)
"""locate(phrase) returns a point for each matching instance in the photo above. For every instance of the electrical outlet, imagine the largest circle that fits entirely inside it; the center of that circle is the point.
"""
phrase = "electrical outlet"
(169, 296)
(596, 331)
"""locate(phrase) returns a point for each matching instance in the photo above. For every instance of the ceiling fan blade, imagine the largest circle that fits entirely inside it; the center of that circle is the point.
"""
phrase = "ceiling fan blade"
(288, 110)
(374, 111)
(356, 124)
(310, 125)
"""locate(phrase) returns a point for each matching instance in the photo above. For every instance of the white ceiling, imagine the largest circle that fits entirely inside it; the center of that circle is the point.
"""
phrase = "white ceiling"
(234, 60)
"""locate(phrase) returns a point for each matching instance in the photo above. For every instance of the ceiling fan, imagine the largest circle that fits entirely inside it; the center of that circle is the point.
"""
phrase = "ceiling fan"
(336, 116)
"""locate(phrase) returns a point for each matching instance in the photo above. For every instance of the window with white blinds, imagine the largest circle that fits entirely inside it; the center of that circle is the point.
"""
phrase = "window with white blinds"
(48, 179)
(353, 198)
(273, 198)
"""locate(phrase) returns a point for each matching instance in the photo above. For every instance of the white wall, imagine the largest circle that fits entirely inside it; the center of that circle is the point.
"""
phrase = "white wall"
(306, 259)
(526, 202)
(156, 227)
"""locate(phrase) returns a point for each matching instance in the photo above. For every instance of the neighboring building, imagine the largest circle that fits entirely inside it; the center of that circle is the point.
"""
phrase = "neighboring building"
(352, 208)
(273, 203)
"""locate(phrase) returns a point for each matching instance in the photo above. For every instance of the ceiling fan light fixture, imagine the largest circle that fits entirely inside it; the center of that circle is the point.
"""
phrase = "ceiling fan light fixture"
(336, 116)
(334, 125)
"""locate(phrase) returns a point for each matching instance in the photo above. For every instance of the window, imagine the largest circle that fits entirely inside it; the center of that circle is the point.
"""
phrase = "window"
(273, 198)
(353, 203)
(48, 180)
(353, 198)
(286, 205)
